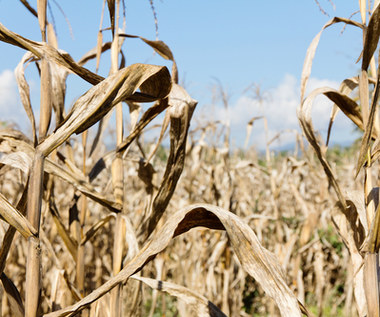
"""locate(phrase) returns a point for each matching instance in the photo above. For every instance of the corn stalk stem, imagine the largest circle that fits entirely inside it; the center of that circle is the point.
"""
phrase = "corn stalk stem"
(33, 274)
(117, 179)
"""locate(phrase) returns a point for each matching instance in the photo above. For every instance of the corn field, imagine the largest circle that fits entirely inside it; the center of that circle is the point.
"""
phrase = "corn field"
(182, 226)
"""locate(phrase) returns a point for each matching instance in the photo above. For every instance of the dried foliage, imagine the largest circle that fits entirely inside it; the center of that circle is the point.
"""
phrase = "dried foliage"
(191, 228)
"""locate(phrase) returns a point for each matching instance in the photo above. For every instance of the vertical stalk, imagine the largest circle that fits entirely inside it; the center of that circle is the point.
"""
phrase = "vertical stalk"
(33, 278)
(117, 179)
(35, 188)
(83, 210)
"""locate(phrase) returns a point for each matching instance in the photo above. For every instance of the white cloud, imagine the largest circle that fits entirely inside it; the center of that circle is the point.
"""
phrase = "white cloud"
(10, 104)
(279, 108)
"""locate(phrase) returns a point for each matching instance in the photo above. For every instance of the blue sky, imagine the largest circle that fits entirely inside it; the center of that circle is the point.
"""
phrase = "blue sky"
(238, 43)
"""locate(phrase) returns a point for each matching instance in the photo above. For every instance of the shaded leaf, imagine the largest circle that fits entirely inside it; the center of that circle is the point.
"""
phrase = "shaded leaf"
(92, 231)
(153, 82)
(14, 297)
(70, 243)
(181, 110)
(371, 38)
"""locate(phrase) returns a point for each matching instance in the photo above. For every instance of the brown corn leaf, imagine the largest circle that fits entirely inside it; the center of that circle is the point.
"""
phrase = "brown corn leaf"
(349, 107)
(345, 223)
(9, 235)
(92, 231)
(304, 117)
(153, 82)
(13, 295)
(365, 144)
(164, 127)
(181, 110)
(24, 91)
(70, 243)
(43, 50)
(249, 130)
(254, 258)
(19, 154)
(91, 54)
(200, 305)
(29, 7)
(375, 152)
(371, 38)
(162, 49)
(346, 87)
(99, 49)
(306, 70)
(146, 118)
(58, 86)
(13, 217)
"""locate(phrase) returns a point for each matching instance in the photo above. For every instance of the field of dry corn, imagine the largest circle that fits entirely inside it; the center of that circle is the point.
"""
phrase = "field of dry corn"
(186, 225)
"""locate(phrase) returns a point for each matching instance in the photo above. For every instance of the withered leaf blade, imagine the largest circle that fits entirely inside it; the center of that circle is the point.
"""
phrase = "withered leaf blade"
(310, 53)
(201, 306)
(162, 49)
(365, 144)
(146, 118)
(249, 129)
(371, 38)
(43, 50)
(92, 231)
(181, 111)
(100, 99)
(346, 87)
(24, 91)
(29, 7)
(254, 258)
(13, 217)
(19, 153)
(349, 107)
(304, 117)
(13, 295)
(71, 244)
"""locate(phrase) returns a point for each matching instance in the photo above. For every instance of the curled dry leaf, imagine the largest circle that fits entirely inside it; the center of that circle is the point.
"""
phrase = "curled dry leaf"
(364, 152)
(161, 48)
(304, 117)
(24, 91)
(152, 81)
(254, 258)
(181, 110)
(346, 87)
(201, 306)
